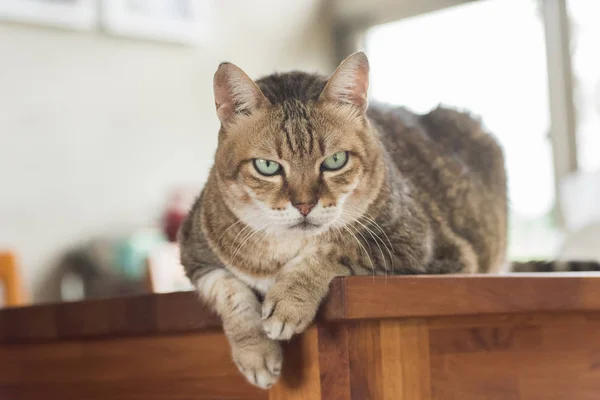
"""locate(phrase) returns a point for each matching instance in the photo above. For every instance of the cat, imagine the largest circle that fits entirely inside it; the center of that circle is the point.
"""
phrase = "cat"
(310, 183)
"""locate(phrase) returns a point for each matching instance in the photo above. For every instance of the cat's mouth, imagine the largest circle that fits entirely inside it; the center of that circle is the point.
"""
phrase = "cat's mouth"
(305, 225)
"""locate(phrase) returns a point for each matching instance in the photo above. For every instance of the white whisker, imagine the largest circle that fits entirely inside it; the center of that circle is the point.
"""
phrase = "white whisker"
(247, 238)
(244, 229)
(239, 221)
(363, 249)
(372, 221)
(376, 239)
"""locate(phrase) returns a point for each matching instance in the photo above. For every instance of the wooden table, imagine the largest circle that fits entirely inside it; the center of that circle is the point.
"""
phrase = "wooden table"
(400, 338)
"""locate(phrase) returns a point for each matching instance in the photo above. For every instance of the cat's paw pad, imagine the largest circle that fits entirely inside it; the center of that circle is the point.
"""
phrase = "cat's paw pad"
(284, 315)
(259, 362)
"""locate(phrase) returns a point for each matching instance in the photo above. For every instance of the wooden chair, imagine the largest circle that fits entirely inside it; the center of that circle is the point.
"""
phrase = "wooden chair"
(10, 279)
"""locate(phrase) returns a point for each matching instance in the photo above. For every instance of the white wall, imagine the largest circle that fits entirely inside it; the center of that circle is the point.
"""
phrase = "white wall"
(384, 11)
(94, 130)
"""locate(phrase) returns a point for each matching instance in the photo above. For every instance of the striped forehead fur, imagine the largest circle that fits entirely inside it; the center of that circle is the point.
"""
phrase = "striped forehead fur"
(301, 86)
(293, 92)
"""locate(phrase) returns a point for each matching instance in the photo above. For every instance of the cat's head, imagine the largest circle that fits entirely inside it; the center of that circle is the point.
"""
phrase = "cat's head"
(296, 151)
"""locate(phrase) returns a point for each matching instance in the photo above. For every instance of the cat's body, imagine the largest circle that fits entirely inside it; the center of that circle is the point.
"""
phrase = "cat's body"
(453, 174)
(308, 185)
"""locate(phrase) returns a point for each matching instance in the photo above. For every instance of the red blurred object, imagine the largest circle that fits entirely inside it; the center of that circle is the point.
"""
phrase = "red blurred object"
(177, 209)
(173, 221)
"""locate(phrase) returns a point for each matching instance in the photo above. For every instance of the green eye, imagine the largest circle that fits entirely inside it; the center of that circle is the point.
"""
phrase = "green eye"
(335, 162)
(266, 167)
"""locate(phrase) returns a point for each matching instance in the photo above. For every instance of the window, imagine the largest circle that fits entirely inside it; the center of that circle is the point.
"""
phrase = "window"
(585, 65)
(496, 71)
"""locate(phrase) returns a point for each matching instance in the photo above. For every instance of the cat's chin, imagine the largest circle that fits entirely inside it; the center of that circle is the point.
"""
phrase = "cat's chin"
(306, 225)
(307, 228)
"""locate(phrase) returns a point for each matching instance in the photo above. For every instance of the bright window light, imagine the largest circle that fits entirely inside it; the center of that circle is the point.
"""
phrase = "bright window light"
(488, 57)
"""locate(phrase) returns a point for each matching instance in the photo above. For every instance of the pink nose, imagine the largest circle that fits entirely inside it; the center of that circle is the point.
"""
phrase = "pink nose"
(305, 208)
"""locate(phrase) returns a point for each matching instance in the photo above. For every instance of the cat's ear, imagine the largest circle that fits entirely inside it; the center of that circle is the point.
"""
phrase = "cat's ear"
(349, 83)
(235, 92)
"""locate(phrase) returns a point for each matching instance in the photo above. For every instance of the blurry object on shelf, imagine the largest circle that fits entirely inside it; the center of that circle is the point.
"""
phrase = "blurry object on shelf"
(143, 261)
(92, 271)
(133, 251)
(166, 274)
(84, 272)
(178, 205)
(69, 14)
(10, 280)
(177, 21)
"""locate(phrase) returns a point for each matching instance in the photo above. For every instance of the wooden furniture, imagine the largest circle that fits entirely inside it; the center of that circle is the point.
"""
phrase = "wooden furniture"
(10, 280)
(400, 338)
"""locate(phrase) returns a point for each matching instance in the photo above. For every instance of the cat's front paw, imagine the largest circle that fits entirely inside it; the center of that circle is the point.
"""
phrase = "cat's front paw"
(286, 312)
(260, 362)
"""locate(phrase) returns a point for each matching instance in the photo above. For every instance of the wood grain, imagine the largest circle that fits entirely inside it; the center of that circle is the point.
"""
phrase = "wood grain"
(403, 338)
(423, 296)
(545, 357)
(405, 359)
(300, 376)
(352, 298)
(383, 360)
(334, 361)
(364, 351)
(162, 367)
(106, 317)
(28, 324)
(153, 314)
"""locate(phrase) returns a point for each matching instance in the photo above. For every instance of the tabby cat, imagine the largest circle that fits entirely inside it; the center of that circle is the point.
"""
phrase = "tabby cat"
(309, 183)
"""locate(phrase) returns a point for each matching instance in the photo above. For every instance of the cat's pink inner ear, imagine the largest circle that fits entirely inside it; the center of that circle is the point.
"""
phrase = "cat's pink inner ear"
(235, 92)
(350, 82)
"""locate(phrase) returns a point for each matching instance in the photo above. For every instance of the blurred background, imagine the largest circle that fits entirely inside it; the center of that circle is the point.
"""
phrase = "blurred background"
(108, 128)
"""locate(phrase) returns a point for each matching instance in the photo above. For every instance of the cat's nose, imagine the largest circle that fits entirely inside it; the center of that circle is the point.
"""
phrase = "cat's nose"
(305, 208)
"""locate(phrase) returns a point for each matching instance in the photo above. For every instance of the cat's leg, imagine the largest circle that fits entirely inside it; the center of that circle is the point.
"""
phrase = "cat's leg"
(292, 302)
(256, 356)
